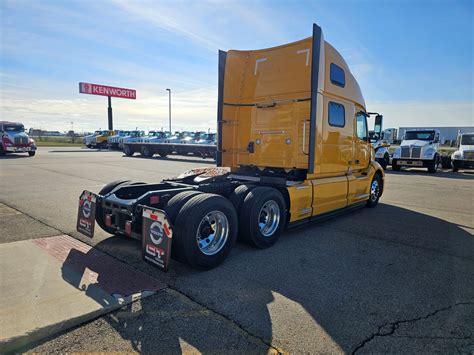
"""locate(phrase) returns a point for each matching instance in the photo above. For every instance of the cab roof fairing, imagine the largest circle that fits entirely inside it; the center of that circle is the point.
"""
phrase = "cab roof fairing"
(352, 89)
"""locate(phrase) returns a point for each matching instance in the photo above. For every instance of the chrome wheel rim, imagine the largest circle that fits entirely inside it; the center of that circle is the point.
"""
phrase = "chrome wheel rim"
(374, 190)
(269, 218)
(212, 232)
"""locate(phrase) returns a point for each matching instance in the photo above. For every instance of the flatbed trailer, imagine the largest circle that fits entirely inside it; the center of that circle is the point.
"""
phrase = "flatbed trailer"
(148, 149)
(293, 148)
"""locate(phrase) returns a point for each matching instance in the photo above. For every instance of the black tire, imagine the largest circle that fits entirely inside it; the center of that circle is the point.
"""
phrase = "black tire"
(189, 220)
(395, 166)
(89, 146)
(2, 151)
(146, 152)
(251, 213)
(237, 197)
(455, 166)
(433, 165)
(383, 162)
(386, 161)
(446, 162)
(99, 212)
(32, 153)
(176, 202)
(374, 196)
(128, 151)
(172, 209)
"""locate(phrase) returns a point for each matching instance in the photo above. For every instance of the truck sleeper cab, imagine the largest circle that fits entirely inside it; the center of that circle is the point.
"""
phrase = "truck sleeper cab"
(293, 147)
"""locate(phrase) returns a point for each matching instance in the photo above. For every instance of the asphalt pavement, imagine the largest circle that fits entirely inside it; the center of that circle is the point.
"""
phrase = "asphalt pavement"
(397, 278)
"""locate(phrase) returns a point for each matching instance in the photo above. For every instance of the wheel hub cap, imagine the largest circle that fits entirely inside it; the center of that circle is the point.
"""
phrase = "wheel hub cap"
(374, 190)
(212, 232)
(269, 218)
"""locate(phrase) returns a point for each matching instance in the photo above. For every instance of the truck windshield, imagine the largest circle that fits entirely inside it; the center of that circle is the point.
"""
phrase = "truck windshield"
(13, 128)
(420, 135)
(467, 139)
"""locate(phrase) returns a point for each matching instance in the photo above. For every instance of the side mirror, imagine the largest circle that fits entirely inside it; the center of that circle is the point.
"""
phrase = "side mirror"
(378, 125)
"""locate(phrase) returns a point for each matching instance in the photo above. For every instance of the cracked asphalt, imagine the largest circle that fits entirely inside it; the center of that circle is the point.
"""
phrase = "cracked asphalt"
(397, 278)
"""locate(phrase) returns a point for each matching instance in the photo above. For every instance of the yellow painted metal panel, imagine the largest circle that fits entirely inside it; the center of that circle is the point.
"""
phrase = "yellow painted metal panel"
(329, 194)
(266, 103)
(301, 197)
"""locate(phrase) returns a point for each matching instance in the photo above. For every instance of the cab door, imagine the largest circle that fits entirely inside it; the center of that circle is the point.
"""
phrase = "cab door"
(336, 140)
(359, 181)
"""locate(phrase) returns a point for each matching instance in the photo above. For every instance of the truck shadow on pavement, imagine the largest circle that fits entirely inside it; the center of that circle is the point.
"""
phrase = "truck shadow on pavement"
(336, 286)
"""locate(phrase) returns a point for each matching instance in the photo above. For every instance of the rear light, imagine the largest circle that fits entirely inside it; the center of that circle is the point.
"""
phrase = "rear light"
(128, 227)
(154, 200)
(108, 220)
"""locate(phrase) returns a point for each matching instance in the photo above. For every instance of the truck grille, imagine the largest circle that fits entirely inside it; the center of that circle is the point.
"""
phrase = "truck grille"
(469, 155)
(21, 140)
(406, 152)
(416, 152)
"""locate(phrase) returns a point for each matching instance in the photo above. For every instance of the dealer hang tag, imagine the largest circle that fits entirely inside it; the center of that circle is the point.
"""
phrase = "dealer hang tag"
(157, 237)
(86, 213)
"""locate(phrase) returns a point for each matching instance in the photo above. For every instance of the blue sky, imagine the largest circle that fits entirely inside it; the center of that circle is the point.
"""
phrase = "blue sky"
(413, 59)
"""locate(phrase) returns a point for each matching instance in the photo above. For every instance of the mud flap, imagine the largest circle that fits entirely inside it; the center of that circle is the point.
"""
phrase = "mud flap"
(157, 237)
(86, 214)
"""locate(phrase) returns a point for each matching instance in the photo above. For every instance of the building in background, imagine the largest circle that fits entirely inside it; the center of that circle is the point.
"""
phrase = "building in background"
(448, 135)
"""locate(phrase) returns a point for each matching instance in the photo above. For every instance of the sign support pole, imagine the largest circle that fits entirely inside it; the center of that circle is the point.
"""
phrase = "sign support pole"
(109, 110)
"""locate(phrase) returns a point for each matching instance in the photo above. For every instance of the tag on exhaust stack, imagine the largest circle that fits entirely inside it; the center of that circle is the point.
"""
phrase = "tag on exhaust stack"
(86, 214)
(157, 237)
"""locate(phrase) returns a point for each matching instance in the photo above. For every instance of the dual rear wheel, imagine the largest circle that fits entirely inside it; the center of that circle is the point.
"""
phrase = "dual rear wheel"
(206, 225)
(205, 228)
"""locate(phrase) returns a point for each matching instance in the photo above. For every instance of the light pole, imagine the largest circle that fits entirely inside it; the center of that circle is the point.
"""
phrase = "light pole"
(72, 132)
(169, 92)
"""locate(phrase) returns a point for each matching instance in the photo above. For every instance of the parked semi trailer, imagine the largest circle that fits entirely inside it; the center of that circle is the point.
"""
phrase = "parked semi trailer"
(293, 148)
(148, 149)
(113, 141)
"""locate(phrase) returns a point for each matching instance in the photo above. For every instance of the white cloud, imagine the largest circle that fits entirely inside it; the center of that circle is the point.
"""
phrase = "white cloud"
(425, 113)
(210, 24)
(55, 105)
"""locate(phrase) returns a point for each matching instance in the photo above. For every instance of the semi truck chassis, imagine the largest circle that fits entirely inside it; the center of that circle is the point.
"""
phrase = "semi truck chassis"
(204, 209)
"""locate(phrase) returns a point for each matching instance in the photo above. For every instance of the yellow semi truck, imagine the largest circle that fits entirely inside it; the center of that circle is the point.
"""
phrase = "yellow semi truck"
(293, 147)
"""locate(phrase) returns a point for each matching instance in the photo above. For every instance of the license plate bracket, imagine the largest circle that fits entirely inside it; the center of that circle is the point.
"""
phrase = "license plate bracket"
(86, 213)
(156, 238)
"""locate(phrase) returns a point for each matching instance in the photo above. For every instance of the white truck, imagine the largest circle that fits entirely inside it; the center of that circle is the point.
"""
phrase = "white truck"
(463, 157)
(382, 154)
(419, 149)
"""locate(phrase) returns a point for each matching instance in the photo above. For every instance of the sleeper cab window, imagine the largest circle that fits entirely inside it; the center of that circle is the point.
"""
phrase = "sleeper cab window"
(337, 75)
(336, 115)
